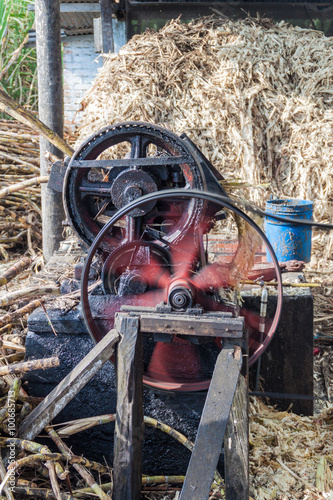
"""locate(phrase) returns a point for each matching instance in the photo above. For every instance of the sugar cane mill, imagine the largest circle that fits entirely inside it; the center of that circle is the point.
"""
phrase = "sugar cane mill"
(148, 214)
(168, 308)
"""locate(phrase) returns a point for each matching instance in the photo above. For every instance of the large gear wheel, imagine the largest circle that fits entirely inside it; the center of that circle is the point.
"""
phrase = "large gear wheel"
(140, 158)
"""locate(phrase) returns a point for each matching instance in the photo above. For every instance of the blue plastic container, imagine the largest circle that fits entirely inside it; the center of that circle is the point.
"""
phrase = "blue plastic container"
(289, 241)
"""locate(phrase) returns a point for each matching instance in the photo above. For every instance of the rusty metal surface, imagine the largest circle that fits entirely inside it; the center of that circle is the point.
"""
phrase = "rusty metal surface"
(87, 197)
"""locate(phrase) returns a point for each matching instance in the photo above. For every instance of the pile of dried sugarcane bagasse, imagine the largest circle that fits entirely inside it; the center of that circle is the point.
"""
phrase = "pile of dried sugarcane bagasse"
(255, 97)
(20, 211)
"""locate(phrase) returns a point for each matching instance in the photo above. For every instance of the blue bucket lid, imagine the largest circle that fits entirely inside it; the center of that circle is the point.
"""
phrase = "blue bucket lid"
(290, 207)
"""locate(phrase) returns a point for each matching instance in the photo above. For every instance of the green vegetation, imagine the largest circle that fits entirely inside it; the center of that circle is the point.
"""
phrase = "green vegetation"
(18, 65)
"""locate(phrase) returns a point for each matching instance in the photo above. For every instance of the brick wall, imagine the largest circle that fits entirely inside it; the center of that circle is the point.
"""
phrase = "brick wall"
(80, 68)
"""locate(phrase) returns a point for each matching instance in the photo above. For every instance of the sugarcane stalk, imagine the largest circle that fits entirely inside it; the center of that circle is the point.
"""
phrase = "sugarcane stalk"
(16, 159)
(55, 457)
(19, 313)
(8, 493)
(14, 216)
(25, 410)
(79, 425)
(16, 200)
(18, 137)
(12, 108)
(275, 283)
(24, 445)
(18, 356)
(75, 426)
(11, 399)
(35, 181)
(27, 366)
(12, 297)
(19, 151)
(15, 338)
(3, 251)
(9, 379)
(25, 483)
(53, 480)
(81, 470)
(31, 447)
(6, 328)
(83, 492)
(162, 479)
(10, 345)
(44, 493)
(13, 239)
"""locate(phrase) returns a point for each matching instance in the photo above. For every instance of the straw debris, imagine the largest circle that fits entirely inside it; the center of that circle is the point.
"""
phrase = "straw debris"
(256, 97)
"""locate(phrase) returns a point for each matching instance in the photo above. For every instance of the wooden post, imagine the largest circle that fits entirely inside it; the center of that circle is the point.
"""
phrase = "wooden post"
(236, 446)
(129, 427)
(107, 31)
(213, 423)
(51, 110)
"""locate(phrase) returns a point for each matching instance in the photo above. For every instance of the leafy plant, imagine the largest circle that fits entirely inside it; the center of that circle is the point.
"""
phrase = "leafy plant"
(18, 64)
(4, 14)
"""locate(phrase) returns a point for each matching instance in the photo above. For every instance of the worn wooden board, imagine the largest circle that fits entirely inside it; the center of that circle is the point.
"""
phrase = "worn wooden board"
(209, 324)
(236, 445)
(129, 426)
(213, 423)
(68, 387)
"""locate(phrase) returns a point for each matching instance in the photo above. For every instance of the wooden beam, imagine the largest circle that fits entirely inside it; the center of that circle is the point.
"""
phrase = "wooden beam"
(51, 112)
(98, 40)
(209, 324)
(129, 427)
(107, 29)
(276, 10)
(213, 423)
(68, 387)
(236, 446)
(74, 7)
(80, 7)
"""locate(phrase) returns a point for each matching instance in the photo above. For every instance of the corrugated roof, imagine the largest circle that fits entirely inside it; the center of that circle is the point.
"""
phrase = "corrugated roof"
(77, 16)
(78, 23)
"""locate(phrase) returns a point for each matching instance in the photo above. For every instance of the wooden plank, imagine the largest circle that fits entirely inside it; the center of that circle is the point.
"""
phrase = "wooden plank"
(98, 40)
(236, 446)
(68, 387)
(129, 427)
(107, 30)
(213, 423)
(207, 325)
